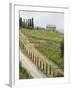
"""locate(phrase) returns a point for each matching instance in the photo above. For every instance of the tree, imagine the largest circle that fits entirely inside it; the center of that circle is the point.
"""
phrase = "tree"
(62, 48)
(32, 23)
(20, 22)
(23, 23)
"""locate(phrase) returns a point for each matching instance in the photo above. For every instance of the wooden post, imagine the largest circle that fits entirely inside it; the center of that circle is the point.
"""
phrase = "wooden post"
(37, 61)
(29, 54)
(27, 51)
(25, 48)
(33, 57)
(50, 69)
(40, 64)
(46, 68)
(43, 67)
(53, 72)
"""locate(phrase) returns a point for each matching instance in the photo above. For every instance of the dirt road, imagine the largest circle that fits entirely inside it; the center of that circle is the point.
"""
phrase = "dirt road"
(30, 67)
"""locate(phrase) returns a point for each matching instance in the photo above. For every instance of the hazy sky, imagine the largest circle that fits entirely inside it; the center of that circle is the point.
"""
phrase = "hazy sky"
(44, 18)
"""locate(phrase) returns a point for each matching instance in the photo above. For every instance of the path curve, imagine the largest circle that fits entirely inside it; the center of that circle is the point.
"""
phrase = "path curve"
(30, 67)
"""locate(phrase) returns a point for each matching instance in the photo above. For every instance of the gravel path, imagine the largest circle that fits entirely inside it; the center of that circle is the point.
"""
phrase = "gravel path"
(30, 67)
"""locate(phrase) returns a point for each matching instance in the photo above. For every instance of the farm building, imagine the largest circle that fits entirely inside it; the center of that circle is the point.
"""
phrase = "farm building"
(51, 27)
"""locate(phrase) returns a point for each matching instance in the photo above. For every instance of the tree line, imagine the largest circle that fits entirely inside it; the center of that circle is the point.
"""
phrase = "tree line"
(26, 23)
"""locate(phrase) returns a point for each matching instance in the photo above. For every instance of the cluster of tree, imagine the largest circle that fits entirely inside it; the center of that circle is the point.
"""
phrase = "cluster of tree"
(39, 28)
(26, 23)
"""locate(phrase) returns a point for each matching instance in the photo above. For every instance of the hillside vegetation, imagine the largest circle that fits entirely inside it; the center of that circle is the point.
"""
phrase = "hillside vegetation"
(43, 35)
(52, 48)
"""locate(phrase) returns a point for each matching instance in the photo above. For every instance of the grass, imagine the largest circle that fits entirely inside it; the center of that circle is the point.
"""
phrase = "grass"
(51, 49)
(23, 74)
(52, 52)
(43, 35)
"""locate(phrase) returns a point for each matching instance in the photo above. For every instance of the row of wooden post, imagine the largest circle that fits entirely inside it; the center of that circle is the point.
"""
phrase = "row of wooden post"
(44, 67)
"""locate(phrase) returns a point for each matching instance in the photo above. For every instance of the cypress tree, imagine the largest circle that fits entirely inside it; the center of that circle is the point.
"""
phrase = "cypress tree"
(20, 22)
(32, 23)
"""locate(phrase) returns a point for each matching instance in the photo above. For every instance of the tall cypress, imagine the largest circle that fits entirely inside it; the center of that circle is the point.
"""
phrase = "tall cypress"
(32, 23)
(20, 22)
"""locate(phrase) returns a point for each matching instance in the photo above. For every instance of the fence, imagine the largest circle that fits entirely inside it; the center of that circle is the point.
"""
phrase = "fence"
(41, 62)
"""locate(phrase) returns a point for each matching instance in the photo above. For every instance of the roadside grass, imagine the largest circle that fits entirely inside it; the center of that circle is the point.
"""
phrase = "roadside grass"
(23, 74)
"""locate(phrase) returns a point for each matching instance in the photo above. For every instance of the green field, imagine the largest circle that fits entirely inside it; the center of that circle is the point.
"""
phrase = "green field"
(51, 49)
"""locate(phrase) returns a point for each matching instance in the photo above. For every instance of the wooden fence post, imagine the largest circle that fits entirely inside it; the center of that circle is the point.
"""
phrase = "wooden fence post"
(27, 51)
(37, 61)
(33, 57)
(46, 68)
(53, 72)
(43, 67)
(50, 69)
(40, 64)
(29, 54)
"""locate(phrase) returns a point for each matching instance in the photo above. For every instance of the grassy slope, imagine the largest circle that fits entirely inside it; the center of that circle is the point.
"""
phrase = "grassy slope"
(43, 34)
(50, 50)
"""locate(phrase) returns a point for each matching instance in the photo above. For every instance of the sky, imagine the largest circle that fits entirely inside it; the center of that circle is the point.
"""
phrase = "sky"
(45, 18)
